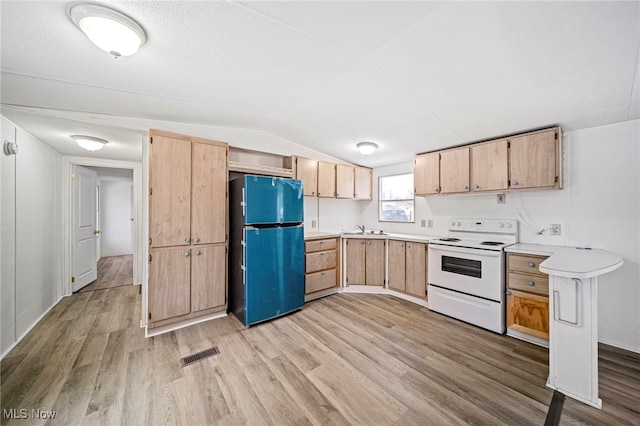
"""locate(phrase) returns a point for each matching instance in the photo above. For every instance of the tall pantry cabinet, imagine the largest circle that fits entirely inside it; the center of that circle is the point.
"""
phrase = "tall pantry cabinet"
(188, 179)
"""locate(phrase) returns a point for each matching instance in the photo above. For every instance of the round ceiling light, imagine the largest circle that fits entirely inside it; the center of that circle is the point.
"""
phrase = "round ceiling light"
(89, 142)
(367, 148)
(110, 30)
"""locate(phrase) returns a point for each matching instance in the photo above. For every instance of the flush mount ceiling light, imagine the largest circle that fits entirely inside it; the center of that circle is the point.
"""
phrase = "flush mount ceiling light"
(367, 148)
(89, 142)
(110, 30)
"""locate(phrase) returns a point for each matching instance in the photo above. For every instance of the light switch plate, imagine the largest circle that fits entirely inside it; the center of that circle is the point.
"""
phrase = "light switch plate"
(423, 223)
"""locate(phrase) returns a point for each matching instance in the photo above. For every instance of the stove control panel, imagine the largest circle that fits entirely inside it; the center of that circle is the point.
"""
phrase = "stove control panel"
(498, 226)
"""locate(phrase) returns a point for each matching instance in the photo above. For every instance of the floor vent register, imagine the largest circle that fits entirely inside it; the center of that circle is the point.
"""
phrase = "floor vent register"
(190, 359)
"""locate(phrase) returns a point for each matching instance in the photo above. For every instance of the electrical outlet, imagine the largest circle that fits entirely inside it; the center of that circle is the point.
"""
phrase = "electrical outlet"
(313, 223)
(556, 229)
(423, 223)
(501, 198)
(430, 223)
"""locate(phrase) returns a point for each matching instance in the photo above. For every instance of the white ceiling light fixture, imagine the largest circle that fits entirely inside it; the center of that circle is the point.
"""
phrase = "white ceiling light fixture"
(367, 148)
(110, 30)
(89, 142)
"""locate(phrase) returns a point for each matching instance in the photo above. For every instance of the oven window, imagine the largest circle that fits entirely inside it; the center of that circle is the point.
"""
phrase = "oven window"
(456, 265)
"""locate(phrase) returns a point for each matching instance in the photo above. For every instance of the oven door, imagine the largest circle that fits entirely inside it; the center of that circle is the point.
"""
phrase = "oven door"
(471, 271)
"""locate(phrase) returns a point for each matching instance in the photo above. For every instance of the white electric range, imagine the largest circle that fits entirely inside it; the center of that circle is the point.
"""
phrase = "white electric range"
(466, 272)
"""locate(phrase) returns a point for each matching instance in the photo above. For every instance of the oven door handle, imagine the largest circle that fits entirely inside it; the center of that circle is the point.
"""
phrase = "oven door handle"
(475, 252)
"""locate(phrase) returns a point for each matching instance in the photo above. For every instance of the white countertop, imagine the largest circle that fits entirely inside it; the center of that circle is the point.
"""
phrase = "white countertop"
(393, 236)
(315, 235)
(571, 262)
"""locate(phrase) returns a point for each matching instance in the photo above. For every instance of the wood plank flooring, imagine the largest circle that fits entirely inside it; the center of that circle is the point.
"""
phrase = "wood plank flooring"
(345, 359)
(113, 271)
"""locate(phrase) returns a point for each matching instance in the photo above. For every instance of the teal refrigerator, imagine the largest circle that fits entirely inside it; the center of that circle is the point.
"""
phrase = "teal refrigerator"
(266, 240)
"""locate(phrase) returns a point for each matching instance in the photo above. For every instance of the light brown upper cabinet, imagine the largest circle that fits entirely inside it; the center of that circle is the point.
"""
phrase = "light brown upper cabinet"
(307, 172)
(188, 179)
(363, 183)
(345, 185)
(534, 160)
(489, 170)
(454, 170)
(426, 174)
(326, 180)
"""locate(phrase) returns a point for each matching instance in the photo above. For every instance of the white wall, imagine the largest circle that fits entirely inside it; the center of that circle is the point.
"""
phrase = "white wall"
(37, 244)
(115, 218)
(599, 207)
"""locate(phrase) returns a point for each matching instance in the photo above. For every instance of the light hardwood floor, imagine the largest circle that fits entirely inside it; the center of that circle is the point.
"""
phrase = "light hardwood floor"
(113, 271)
(344, 359)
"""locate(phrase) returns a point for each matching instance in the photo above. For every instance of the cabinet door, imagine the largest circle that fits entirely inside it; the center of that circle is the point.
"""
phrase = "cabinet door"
(528, 313)
(426, 174)
(307, 172)
(396, 271)
(489, 166)
(344, 181)
(363, 183)
(170, 191)
(454, 170)
(355, 261)
(532, 160)
(374, 262)
(208, 277)
(417, 269)
(209, 194)
(169, 283)
(326, 180)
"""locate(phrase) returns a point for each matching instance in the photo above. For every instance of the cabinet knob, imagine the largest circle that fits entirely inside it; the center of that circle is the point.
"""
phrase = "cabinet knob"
(187, 240)
(466, 187)
(531, 264)
(186, 254)
(514, 183)
(435, 189)
(196, 240)
(369, 242)
(401, 245)
(361, 241)
(531, 283)
(408, 245)
(508, 293)
(476, 186)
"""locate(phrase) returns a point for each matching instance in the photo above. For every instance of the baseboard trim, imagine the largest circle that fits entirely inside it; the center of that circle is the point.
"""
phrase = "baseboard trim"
(10, 348)
(619, 346)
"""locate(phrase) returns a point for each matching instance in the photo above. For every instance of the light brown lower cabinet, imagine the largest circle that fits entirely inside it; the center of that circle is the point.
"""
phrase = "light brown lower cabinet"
(408, 267)
(365, 261)
(527, 296)
(185, 282)
(322, 264)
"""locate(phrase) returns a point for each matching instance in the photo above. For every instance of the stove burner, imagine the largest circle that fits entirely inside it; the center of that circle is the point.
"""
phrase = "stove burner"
(452, 240)
(491, 243)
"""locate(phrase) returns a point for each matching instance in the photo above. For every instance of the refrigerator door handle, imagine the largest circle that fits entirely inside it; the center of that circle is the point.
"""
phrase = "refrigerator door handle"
(242, 203)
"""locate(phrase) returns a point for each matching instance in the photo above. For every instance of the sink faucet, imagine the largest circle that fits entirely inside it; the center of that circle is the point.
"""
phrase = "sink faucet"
(361, 228)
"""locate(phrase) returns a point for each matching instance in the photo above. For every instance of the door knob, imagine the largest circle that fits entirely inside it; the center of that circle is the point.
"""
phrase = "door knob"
(197, 253)
(96, 232)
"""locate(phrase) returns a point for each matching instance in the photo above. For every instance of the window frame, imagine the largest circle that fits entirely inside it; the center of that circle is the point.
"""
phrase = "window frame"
(381, 201)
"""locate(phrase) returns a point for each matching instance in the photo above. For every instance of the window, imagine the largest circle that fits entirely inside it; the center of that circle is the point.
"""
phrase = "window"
(395, 194)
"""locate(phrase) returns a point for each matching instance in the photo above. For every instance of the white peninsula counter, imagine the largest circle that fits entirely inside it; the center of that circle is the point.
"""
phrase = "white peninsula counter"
(573, 311)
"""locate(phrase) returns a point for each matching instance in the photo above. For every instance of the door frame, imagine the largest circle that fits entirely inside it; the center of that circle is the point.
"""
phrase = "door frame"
(139, 271)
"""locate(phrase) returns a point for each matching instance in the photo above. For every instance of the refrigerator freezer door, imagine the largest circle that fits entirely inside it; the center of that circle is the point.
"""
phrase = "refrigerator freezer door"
(274, 272)
(272, 200)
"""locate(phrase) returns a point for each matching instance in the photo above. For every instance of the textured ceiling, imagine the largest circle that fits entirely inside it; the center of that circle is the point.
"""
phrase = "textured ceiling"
(411, 76)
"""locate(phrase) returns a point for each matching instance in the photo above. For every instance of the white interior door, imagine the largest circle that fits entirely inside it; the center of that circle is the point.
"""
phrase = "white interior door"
(85, 242)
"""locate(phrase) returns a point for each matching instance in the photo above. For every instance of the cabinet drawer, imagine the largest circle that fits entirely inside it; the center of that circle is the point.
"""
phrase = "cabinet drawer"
(320, 260)
(319, 245)
(530, 283)
(320, 281)
(525, 263)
